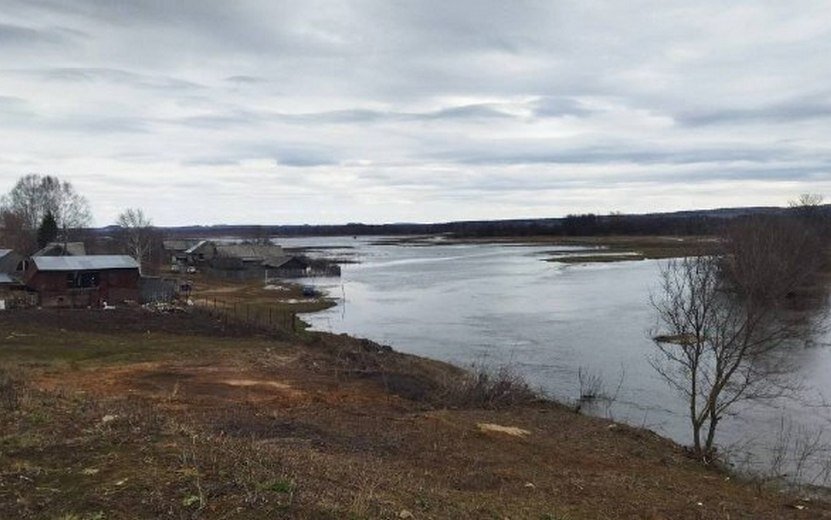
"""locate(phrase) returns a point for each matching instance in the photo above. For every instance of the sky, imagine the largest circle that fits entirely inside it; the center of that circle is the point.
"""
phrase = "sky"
(211, 112)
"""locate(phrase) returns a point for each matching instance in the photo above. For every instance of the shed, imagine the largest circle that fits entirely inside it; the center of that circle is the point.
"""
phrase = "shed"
(287, 267)
(83, 281)
(177, 249)
(200, 252)
(245, 256)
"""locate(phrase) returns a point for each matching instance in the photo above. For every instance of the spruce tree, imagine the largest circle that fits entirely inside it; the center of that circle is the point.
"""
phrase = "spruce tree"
(48, 230)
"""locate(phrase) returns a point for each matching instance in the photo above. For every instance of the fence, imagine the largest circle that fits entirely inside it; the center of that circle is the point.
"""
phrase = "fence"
(17, 300)
(154, 289)
(258, 316)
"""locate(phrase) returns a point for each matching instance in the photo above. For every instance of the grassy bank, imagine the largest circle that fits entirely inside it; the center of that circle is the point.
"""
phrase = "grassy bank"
(136, 414)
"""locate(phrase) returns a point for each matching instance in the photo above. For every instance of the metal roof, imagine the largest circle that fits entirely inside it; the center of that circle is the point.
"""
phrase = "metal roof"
(178, 245)
(84, 263)
(250, 252)
(193, 249)
(62, 249)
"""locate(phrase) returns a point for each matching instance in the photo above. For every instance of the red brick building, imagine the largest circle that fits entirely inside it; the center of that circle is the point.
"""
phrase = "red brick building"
(83, 281)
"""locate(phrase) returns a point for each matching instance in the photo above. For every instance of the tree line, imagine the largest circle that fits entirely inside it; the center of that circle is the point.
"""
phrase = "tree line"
(42, 209)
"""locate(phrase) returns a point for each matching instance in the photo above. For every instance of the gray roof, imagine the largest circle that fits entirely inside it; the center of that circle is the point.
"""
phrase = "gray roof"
(4, 252)
(250, 252)
(199, 244)
(71, 249)
(177, 245)
(278, 262)
(84, 263)
(6, 279)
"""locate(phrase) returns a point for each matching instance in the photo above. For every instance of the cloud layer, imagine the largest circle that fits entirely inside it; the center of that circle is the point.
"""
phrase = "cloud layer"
(206, 111)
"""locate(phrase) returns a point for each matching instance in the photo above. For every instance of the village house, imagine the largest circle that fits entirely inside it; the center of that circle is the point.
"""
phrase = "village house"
(11, 271)
(83, 281)
(245, 261)
(176, 250)
(11, 263)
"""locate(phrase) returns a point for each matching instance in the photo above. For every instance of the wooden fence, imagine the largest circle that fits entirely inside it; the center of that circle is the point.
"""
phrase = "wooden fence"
(260, 316)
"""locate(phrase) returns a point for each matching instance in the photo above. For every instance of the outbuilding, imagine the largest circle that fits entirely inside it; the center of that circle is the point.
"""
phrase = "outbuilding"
(83, 281)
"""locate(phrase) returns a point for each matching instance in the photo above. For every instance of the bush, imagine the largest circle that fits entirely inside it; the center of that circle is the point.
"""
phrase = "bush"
(486, 388)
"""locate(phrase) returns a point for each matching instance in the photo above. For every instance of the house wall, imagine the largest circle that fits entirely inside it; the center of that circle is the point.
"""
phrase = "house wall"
(239, 275)
(114, 285)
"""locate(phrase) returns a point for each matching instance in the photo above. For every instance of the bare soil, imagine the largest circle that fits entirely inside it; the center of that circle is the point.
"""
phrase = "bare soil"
(133, 414)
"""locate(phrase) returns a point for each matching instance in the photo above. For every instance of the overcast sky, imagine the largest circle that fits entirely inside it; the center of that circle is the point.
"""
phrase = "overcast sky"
(330, 112)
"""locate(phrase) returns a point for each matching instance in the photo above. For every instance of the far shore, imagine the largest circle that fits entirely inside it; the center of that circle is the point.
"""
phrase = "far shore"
(612, 248)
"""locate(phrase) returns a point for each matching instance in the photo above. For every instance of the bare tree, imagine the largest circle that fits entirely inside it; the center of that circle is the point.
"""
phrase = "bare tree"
(137, 233)
(34, 196)
(809, 209)
(13, 235)
(717, 347)
(807, 200)
(767, 257)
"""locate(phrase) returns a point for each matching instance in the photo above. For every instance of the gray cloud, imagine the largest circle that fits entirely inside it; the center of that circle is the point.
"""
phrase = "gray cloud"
(553, 153)
(428, 110)
(789, 112)
(107, 75)
(16, 35)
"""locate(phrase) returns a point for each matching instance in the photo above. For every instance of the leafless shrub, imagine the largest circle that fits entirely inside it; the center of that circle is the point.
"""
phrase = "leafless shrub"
(591, 384)
(767, 258)
(798, 458)
(483, 387)
(595, 395)
(717, 348)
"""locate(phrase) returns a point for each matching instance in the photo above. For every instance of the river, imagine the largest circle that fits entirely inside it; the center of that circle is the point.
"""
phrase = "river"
(493, 305)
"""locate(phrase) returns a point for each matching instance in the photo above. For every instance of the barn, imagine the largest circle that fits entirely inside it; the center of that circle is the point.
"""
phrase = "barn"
(83, 281)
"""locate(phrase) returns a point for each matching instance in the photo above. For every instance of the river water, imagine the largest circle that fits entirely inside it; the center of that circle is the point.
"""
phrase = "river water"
(502, 304)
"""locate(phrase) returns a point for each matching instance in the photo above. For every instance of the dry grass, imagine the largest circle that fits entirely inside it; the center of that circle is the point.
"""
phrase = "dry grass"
(484, 387)
(148, 424)
(9, 392)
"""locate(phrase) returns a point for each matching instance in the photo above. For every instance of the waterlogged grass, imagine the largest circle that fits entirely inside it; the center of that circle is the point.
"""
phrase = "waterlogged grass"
(600, 258)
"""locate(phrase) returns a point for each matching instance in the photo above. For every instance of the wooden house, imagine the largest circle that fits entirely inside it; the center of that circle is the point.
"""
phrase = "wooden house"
(83, 281)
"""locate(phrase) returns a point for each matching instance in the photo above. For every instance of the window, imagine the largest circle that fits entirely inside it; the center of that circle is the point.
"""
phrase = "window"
(82, 280)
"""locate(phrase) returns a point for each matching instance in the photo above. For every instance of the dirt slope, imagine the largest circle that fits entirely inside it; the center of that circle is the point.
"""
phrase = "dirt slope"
(130, 414)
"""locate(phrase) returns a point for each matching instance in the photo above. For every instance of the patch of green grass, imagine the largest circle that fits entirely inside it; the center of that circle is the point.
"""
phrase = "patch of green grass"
(191, 500)
(277, 486)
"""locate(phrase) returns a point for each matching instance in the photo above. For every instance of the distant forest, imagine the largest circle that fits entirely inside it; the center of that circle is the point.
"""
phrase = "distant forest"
(699, 222)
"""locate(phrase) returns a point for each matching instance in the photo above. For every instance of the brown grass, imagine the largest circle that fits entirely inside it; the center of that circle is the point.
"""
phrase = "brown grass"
(178, 417)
